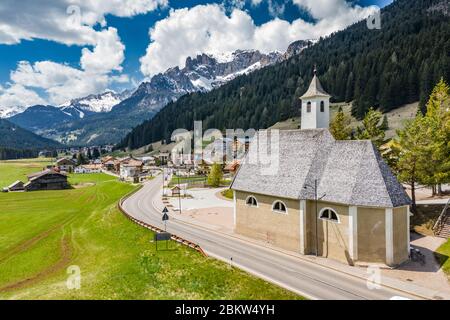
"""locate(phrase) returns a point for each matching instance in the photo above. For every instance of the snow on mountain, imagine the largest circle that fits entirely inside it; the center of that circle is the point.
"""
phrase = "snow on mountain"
(94, 103)
(6, 112)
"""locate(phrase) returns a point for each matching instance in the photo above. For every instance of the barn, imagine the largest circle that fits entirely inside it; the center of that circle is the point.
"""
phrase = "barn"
(47, 180)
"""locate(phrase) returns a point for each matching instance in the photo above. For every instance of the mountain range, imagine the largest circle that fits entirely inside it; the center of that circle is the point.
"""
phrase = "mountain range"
(384, 69)
(108, 117)
(14, 137)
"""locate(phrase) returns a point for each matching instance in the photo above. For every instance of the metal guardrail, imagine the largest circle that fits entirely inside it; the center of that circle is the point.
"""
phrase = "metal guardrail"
(153, 228)
(439, 222)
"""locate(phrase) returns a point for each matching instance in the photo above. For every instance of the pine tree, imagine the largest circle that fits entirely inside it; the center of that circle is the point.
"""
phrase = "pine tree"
(385, 123)
(96, 153)
(411, 141)
(437, 150)
(340, 126)
(371, 128)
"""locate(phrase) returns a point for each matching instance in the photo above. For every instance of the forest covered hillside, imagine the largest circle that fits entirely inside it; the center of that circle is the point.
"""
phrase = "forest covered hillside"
(387, 68)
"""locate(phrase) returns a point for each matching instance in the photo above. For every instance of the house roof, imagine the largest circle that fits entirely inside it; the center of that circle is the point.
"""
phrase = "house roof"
(65, 161)
(315, 89)
(15, 183)
(132, 163)
(347, 172)
(37, 175)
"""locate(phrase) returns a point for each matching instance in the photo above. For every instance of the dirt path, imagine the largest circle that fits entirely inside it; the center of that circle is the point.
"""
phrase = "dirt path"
(21, 247)
(63, 262)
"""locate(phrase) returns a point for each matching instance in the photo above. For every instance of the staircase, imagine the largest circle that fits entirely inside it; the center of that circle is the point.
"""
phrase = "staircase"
(442, 226)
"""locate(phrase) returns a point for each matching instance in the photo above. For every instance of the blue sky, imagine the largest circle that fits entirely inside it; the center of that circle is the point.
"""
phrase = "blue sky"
(112, 49)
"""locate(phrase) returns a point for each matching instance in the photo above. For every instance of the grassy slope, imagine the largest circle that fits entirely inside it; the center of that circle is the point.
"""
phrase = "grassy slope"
(444, 256)
(396, 118)
(13, 170)
(42, 233)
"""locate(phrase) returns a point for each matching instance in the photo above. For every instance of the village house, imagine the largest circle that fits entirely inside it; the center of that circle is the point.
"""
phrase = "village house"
(89, 168)
(130, 168)
(66, 165)
(47, 180)
(335, 199)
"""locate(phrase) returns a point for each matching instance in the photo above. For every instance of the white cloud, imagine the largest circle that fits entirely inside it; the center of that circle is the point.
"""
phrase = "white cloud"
(70, 22)
(18, 95)
(208, 28)
(65, 21)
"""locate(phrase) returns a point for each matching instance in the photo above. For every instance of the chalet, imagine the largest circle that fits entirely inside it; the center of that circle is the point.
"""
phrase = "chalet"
(47, 180)
(336, 199)
(130, 168)
(66, 165)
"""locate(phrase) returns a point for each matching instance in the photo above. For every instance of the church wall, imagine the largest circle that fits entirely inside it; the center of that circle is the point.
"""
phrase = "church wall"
(400, 235)
(371, 235)
(281, 230)
(333, 237)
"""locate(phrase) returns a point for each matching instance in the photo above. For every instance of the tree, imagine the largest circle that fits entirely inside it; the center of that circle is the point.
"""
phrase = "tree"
(215, 176)
(371, 128)
(96, 153)
(80, 159)
(437, 150)
(340, 126)
(411, 141)
(385, 123)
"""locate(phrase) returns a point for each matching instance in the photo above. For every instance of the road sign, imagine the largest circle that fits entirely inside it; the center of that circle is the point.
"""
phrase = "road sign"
(165, 217)
(163, 236)
(165, 210)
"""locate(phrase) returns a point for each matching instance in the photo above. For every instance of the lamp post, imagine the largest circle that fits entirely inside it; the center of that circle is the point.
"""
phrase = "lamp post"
(316, 200)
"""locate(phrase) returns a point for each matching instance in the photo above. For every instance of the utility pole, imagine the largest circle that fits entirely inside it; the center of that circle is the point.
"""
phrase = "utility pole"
(315, 201)
(179, 193)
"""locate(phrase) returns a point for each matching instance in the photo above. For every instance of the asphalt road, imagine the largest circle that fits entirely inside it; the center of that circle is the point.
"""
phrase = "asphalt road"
(301, 276)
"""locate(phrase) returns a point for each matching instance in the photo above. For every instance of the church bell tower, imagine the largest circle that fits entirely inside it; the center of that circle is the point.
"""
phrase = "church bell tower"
(315, 106)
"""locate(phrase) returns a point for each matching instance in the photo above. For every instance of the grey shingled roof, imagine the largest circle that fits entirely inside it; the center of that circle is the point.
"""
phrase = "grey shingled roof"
(348, 172)
(315, 89)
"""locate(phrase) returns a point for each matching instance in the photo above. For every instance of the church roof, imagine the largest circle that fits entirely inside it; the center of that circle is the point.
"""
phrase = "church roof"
(347, 172)
(315, 89)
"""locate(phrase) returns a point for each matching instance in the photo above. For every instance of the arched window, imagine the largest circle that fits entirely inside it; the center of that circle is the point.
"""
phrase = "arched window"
(329, 214)
(279, 206)
(308, 106)
(322, 106)
(251, 201)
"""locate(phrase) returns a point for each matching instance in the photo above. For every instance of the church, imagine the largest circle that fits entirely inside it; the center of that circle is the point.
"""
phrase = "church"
(329, 198)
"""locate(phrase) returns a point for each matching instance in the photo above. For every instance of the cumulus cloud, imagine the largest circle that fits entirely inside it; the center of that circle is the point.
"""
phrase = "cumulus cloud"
(208, 28)
(70, 22)
(18, 95)
(65, 21)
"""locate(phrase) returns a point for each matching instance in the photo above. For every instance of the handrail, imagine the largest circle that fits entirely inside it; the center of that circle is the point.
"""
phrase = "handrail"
(440, 220)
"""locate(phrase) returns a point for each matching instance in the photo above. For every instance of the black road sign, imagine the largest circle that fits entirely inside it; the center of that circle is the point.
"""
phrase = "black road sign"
(165, 210)
(165, 217)
(163, 236)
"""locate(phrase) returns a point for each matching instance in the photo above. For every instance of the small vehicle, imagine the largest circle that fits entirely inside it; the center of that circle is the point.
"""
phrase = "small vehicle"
(417, 256)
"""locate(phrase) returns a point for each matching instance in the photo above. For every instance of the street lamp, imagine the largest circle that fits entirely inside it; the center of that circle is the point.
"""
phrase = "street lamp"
(316, 200)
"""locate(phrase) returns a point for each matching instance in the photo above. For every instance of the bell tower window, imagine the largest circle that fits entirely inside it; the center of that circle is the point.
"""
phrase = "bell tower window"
(322, 106)
(308, 106)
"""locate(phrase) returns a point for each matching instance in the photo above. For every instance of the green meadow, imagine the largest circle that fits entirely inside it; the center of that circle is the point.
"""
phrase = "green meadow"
(44, 233)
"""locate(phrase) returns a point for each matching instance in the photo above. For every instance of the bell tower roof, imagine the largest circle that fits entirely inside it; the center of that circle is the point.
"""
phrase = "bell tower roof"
(315, 88)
